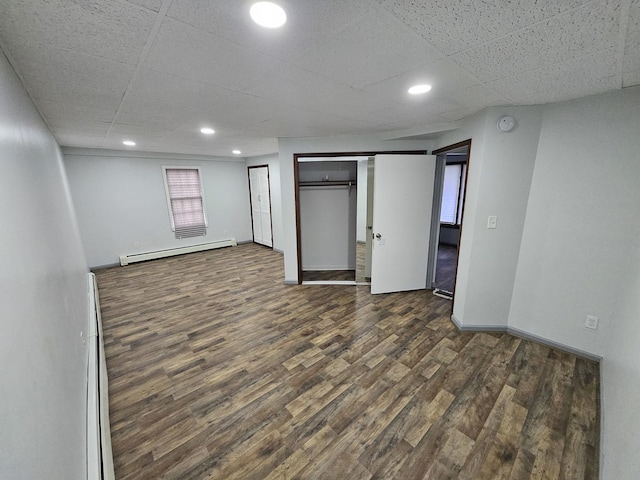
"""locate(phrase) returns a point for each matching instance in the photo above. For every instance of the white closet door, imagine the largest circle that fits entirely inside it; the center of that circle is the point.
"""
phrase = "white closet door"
(402, 205)
(260, 205)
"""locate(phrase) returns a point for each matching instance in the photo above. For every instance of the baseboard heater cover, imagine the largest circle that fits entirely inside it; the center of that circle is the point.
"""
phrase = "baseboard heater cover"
(99, 453)
(141, 257)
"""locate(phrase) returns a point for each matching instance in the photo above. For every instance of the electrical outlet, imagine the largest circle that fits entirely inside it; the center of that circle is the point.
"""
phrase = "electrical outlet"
(492, 222)
(84, 342)
(591, 322)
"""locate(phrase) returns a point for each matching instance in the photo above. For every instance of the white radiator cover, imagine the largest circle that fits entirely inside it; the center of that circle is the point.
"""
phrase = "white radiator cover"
(141, 257)
(99, 453)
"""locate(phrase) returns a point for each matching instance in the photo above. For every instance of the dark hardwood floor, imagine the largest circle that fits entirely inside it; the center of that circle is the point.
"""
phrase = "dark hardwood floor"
(329, 275)
(217, 370)
(446, 267)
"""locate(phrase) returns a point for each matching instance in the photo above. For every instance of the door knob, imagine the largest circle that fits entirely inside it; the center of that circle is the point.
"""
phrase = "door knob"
(378, 236)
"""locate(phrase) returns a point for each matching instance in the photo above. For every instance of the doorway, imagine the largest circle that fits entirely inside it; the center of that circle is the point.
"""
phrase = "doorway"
(454, 164)
(388, 249)
(260, 202)
(331, 210)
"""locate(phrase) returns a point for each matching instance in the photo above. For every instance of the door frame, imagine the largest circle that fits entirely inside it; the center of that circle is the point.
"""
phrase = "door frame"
(439, 151)
(296, 187)
(253, 233)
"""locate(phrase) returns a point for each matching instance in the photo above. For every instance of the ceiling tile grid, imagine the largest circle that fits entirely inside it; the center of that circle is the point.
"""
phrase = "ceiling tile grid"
(157, 70)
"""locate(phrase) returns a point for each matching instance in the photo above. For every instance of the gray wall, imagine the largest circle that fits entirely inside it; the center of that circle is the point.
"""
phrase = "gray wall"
(122, 208)
(43, 301)
(328, 228)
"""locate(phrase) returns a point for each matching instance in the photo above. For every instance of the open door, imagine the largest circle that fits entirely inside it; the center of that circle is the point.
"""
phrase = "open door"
(402, 208)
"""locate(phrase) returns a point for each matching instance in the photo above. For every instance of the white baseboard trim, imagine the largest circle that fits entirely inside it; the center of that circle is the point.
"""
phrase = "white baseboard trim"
(291, 282)
(516, 332)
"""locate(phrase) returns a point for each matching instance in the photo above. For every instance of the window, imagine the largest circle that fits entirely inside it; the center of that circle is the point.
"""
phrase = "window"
(186, 201)
(453, 193)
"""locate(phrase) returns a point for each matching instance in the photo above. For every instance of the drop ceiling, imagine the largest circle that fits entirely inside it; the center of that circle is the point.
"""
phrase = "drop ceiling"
(156, 71)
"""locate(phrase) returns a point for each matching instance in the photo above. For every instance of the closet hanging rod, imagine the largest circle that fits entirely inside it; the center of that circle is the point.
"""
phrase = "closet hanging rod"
(329, 183)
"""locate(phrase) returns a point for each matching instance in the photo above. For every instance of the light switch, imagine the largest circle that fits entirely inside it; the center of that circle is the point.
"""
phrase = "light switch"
(493, 222)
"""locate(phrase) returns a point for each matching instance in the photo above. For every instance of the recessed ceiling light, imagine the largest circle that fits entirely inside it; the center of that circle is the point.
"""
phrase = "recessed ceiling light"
(129, 143)
(237, 152)
(207, 131)
(418, 89)
(268, 14)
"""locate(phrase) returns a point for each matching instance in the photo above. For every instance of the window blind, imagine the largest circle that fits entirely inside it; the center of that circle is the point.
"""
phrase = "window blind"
(186, 203)
(450, 191)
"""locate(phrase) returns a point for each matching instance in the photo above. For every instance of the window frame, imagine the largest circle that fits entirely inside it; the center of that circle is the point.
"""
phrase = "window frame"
(168, 194)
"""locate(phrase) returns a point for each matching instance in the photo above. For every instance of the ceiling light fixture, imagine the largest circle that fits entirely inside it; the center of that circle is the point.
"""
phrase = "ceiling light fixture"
(207, 131)
(268, 15)
(129, 143)
(419, 89)
(237, 152)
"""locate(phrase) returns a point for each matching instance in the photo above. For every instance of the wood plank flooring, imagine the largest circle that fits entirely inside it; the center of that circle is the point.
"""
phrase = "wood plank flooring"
(446, 267)
(219, 371)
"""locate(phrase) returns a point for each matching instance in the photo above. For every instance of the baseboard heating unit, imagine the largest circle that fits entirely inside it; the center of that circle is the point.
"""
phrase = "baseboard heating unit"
(141, 257)
(99, 453)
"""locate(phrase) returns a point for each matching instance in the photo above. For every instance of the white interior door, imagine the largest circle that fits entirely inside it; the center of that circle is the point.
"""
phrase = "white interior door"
(265, 206)
(260, 205)
(402, 209)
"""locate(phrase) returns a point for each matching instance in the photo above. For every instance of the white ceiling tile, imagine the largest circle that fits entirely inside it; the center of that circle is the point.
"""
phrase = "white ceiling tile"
(77, 113)
(307, 22)
(477, 95)
(443, 76)
(70, 67)
(295, 86)
(73, 139)
(631, 62)
(113, 29)
(453, 26)
(460, 113)
(405, 116)
(72, 93)
(578, 77)
(194, 54)
(374, 48)
(594, 27)
(149, 4)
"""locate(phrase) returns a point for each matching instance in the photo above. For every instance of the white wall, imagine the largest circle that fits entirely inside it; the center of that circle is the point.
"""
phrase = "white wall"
(500, 171)
(43, 301)
(273, 161)
(328, 228)
(289, 146)
(121, 202)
